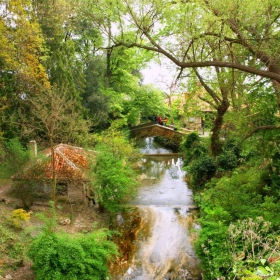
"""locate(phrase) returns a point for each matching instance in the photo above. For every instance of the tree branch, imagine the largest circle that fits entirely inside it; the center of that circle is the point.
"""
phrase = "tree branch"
(196, 64)
(257, 129)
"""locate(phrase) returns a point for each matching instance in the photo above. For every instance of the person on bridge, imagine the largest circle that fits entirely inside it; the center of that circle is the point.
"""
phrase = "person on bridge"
(156, 119)
(165, 121)
(160, 120)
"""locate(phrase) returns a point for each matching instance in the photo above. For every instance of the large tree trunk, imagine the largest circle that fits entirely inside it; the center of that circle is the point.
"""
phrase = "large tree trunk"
(216, 131)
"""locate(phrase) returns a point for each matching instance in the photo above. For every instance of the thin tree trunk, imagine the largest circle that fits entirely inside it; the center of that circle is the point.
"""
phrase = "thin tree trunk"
(53, 174)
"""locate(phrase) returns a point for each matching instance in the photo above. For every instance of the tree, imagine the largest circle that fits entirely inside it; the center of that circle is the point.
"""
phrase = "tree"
(219, 23)
(113, 177)
(95, 100)
(196, 34)
(12, 157)
(63, 60)
(144, 102)
(21, 68)
(56, 119)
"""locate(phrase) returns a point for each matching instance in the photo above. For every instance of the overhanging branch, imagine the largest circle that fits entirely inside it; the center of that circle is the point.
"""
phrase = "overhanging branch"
(196, 64)
(257, 129)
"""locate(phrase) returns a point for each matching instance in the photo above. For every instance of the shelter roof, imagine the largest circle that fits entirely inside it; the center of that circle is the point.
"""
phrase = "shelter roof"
(70, 163)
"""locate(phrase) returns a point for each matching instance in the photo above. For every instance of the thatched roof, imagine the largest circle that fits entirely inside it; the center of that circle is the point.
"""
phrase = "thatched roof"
(71, 164)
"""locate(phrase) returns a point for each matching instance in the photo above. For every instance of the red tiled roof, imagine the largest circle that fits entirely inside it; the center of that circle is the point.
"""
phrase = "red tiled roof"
(71, 163)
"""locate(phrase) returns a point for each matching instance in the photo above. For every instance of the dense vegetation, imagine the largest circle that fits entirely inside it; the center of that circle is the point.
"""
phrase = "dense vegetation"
(70, 72)
(238, 197)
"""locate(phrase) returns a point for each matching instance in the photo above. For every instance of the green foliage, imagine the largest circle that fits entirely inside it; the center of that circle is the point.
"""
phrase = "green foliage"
(146, 102)
(224, 203)
(12, 247)
(191, 140)
(12, 157)
(59, 255)
(227, 160)
(95, 99)
(246, 248)
(239, 194)
(201, 171)
(115, 181)
(270, 210)
(231, 145)
(113, 177)
(62, 256)
(199, 165)
(193, 148)
(211, 246)
(230, 156)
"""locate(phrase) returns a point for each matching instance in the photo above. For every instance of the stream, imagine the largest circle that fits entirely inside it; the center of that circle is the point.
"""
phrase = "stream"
(163, 248)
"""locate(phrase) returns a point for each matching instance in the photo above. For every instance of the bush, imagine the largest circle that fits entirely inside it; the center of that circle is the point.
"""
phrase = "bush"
(236, 195)
(20, 217)
(113, 177)
(232, 146)
(191, 140)
(59, 256)
(202, 170)
(211, 246)
(246, 248)
(227, 161)
(62, 256)
(255, 249)
(115, 181)
(193, 148)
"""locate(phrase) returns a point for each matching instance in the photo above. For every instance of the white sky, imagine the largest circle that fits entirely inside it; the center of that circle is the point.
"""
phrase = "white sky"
(160, 76)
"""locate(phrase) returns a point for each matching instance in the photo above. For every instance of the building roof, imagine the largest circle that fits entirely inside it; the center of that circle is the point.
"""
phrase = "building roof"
(71, 163)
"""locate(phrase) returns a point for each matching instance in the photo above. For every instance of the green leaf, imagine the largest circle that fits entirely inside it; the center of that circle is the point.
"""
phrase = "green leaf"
(261, 271)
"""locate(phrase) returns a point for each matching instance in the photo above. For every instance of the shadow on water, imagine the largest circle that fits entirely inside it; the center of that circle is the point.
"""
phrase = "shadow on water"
(157, 241)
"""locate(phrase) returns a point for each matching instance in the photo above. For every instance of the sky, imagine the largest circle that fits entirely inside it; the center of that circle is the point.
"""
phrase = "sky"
(160, 76)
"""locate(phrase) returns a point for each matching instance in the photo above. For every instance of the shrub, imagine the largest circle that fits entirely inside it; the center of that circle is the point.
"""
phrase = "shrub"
(191, 140)
(227, 160)
(255, 249)
(113, 177)
(211, 246)
(231, 145)
(59, 256)
(115, 180)
(20, 217)
(202, 170)
(236, 195)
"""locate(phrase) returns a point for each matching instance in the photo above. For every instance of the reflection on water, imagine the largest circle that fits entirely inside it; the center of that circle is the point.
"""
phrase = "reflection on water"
(149, 146)
(164, 244)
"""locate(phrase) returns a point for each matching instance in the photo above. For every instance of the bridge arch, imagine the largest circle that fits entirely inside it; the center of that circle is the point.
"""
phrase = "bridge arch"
(152, 130)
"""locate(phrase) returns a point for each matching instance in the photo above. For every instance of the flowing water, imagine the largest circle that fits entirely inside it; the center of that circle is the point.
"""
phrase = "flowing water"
(164, 241)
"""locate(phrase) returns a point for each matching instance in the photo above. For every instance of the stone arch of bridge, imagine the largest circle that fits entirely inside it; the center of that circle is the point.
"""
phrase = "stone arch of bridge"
(152, 130)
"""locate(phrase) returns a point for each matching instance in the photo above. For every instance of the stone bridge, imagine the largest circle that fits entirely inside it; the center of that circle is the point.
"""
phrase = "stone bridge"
(151, 129)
